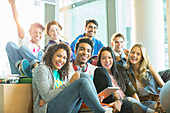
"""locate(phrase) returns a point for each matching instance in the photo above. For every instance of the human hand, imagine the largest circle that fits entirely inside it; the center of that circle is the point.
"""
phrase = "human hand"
(74, 77)
(41, 102)
(117, 106)
(101, 98)
(11, 2)
(126, 51)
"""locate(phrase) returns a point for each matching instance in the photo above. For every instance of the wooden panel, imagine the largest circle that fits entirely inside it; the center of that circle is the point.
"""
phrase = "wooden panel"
(1, 99)
(17, 98)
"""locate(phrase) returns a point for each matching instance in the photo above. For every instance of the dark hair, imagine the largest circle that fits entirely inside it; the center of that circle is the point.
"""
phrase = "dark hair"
(85, 40)
(52, 23)
(91, 21)
(36, 25)
(114, 69)
(52, 49)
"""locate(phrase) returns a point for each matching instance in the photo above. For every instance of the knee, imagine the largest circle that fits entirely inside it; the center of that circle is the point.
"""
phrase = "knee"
(101, 72)
(9, 45)
(82, 81)
(84, 75)
(131, 100)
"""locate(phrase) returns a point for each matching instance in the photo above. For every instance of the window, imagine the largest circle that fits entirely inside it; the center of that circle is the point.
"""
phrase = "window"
(73, 18)
(29, 12)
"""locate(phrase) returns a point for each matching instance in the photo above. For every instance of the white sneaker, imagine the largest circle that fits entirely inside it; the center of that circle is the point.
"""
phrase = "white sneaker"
(108, 110)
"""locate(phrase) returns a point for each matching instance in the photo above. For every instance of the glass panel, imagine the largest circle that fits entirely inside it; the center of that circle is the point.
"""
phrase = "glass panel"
(166, 37)
(73, 20)
(124, 20)
(67, 2)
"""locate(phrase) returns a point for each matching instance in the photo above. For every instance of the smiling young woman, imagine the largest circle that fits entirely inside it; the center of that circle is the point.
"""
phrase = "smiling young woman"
(144, 77)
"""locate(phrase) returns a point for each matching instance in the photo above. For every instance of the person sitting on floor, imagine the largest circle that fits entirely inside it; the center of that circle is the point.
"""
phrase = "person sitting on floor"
(54, 93)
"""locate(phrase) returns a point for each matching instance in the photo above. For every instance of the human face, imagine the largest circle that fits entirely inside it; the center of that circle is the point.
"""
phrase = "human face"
(135, 56)
(54, 32)
(118, 44)
(106, 59)
(83, 53)
(91, 30)
(36, 34)
(59, 59)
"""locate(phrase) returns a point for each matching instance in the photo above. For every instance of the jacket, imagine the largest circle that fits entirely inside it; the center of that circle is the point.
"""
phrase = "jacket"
(150, 84)
(43, 82)
(130, 90)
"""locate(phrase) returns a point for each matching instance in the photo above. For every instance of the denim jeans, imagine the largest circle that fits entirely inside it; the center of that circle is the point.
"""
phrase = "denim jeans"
(70, 99)
(165, 96)
(16, 55)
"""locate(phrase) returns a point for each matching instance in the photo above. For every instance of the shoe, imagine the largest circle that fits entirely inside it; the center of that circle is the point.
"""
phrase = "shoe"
(136, 108)
(107, 109)
(24, 68)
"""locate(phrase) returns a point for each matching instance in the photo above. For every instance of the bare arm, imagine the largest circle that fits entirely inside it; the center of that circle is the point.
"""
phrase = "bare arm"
(74, 77)
(117, 104)
(156, 76)
(15, 16)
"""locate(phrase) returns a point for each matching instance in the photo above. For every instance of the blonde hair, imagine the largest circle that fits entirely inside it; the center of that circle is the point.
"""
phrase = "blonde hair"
(144, 62)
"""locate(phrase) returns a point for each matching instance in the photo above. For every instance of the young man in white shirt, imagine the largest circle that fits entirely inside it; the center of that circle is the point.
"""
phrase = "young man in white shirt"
(83, 52)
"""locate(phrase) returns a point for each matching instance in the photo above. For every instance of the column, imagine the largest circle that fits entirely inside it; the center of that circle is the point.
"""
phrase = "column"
(149, 29)
(168, 25)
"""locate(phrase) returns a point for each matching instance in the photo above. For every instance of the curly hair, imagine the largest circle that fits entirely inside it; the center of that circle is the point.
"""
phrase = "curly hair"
(144, 63)
(114, 70)
(85, 40)
(47, 58)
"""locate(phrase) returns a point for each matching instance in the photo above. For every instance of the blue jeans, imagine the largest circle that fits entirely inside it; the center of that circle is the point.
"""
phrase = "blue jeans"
(127, 105)
(164, 97)
(16, 55)
(70, 99)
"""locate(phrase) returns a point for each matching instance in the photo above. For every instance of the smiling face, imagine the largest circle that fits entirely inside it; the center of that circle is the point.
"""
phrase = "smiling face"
(54, 32)
(83, 54)
(59, 59)
(106, 59)
(91, 30)
(36, 34)
(135, 56)
(118, 44)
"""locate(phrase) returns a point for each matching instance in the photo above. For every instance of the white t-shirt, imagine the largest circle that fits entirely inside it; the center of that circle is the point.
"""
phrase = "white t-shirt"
(31, 46)
(90, 70)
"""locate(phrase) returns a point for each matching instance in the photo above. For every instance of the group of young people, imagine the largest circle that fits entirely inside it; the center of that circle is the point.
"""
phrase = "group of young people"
(63, 78)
